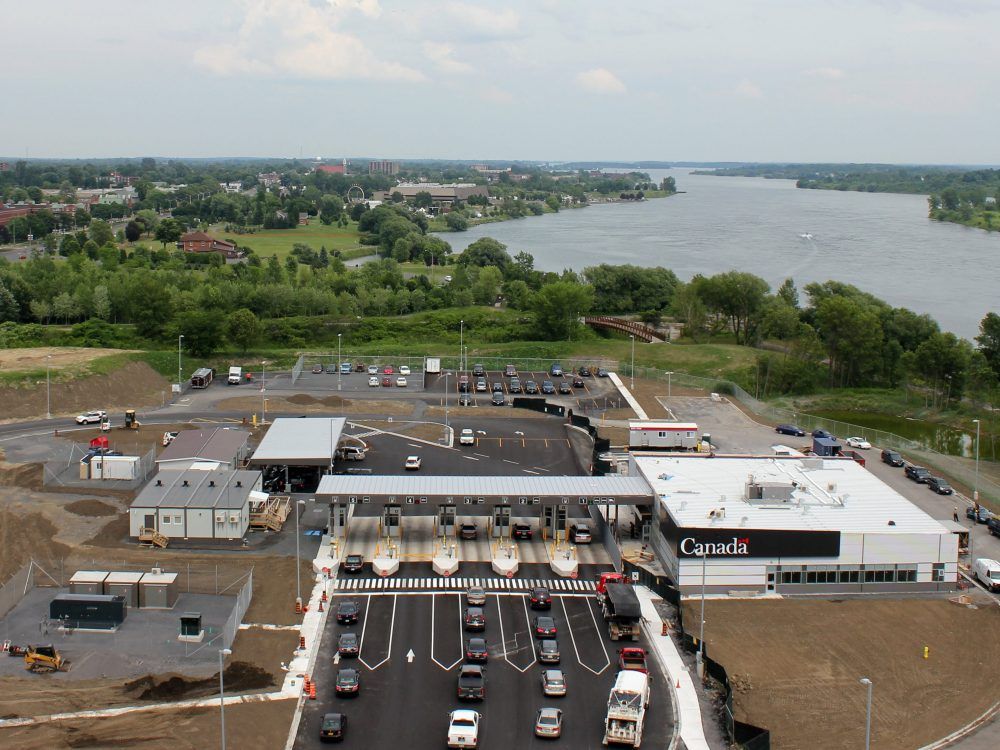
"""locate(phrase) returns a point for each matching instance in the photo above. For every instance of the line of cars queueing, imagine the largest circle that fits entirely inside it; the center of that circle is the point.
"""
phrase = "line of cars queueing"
(377, 375)
(477, 382)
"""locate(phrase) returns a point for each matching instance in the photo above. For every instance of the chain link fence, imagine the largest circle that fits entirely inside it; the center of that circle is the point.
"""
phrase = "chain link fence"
(959, 469)
(227, 634)
(16, 588)
(69, 472)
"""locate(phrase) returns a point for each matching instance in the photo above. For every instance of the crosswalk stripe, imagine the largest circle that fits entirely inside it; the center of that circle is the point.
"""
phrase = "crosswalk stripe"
(459, 584)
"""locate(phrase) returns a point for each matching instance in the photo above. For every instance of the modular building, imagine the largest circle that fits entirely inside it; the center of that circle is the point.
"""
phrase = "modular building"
(158, 590)
(124, 584)
(88, 611)
(97, 466)
(88, 582)
(646, 434)
(222, 445)
(791, 525)
(203, 502)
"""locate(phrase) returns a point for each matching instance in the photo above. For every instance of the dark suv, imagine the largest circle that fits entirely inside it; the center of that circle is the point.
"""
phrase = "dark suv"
(479, 371)
(892, 458)
(917, 473)
(940, 485)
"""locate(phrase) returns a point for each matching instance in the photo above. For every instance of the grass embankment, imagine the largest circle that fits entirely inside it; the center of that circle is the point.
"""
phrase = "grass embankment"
(279, 242)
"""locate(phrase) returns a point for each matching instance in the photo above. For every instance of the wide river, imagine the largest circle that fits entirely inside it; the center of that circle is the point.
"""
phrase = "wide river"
(882, 243)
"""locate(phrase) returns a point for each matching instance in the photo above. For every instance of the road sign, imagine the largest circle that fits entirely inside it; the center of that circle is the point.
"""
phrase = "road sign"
(574, 575)
(635, 576)
(510, 573)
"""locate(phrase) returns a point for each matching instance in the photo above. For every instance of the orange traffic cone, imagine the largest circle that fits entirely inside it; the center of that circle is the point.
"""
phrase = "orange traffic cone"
(312, 691)
(298, 606)
(678, 686)
(302, 643)
(305, 685)
(320, 605)
(323, 597)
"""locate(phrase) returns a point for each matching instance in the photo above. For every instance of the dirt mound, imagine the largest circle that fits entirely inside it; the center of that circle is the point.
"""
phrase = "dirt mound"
(302, 399)
(335, 401)
(28, 476)
(240, 676)
(91, 508)
(23, 537)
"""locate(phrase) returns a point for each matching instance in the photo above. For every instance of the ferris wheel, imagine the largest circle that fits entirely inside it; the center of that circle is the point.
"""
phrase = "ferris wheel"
(355, 194)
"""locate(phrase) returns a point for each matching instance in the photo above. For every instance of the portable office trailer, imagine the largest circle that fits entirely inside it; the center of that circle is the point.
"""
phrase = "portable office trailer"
(88, 582)
(125, 585)
(158, 590)
(662, 435)
(114, 467)
(202, 378)
(98, 612)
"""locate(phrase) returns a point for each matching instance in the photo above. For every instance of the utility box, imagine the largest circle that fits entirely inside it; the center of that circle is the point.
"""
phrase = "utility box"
(158, 590)
(826, 446)
(93, 612)
(191, 630)
(88, 582)
(125, 585)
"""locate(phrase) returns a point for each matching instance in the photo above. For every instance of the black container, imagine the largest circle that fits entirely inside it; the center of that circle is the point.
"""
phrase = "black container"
(99, 611)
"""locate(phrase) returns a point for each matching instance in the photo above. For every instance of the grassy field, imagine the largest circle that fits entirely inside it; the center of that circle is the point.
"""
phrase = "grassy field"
(268, 242)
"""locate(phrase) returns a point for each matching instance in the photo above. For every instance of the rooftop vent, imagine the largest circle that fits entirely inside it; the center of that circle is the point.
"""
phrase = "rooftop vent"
(769, 491)
(184, 483)
(211, 482)
(159, 483)
(239, 483)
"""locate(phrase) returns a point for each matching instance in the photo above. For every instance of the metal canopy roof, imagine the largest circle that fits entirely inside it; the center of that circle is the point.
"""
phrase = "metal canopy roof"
(217, 444)
(309, 441)
(633, 490)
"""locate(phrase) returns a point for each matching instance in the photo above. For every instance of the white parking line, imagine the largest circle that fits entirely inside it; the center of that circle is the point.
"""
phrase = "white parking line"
(460, 638)
(503, 640)
(573, 638)
(508, 461)
(481, 455)
(529, 471)
(470, 458)
(392, 627)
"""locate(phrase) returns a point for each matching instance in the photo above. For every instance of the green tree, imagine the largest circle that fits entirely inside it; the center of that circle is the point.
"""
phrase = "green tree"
(852, 334)
(943, 361)
(789, 293)
(9, 309)
(486, 252)
(553, 202)
(243, 328)
(132, 231)
(169, 231)
(202, 331)
(740, 297)
(151, 306)
(559, 306)
(65, 307)
(518, 294)
(41, 310)
(487, 285)
(456, 221)
(331, 209)
(688, 307)
(102, 302)
(989, 340)
(423, 199)
(101, 232)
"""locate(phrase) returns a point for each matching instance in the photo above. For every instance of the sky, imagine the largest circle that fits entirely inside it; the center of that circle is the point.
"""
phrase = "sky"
(899, 81)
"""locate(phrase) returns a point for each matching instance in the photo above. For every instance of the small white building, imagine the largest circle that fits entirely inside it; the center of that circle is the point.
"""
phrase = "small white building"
(789, 524)
(203, 502)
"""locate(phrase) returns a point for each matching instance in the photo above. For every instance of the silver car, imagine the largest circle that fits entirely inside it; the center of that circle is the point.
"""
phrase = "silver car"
(553, 682)
(548, 722)
(475, 596)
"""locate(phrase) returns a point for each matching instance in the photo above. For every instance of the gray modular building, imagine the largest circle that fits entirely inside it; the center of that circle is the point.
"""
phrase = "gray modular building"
(88, 582)
(222, 445)
(124, 584)
(158, 590)
(199, 503)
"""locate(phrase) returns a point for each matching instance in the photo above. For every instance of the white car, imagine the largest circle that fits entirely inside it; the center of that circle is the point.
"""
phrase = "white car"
(169, 437)
(857, 442)
(463, 728)
(401, 382)
(412, 463)
(373, 381)
(467, 437)
(91, 417)
(404, 370)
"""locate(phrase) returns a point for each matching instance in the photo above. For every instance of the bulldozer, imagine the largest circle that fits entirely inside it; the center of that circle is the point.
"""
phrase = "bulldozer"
(44, 659)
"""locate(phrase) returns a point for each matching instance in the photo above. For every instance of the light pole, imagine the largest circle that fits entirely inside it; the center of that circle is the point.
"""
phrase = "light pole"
(668, 374)
(868, 717)
(461, 346)
(975, 489)
(48, 392)
(298, 575)
(263, 401)
(223, 653)
(632, 369)
(446, 395)
(180, 340)
(339, 336)
(701, 633)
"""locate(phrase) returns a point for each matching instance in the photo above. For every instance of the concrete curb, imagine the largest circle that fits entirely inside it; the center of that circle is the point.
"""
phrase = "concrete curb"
(636, 407)
(973, 726)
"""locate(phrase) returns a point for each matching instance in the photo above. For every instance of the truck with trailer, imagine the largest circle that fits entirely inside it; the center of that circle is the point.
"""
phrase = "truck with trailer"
(235, 375)
(620, 607)
(646, 434)
(202, 377)
(627, 705)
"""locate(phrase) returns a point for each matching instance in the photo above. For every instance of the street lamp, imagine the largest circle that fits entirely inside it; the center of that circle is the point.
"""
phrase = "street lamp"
(461, 345)
(868, 720)
(263, 401)
(446, 394)
(701, 633)
(223, 653)
(339, 336)
(668, 374)
(298, 574)
(48, 392)
(632, 369)
(180, 340)
(975, 489)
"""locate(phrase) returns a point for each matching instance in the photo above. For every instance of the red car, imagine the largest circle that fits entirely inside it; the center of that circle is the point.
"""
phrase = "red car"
(387, 370)
(387, 382)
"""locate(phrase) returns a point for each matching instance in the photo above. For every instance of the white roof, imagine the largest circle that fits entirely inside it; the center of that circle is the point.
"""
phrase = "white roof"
(123, 577)
(89, 576)
(300, 442)
(159, 578)
(829, 494)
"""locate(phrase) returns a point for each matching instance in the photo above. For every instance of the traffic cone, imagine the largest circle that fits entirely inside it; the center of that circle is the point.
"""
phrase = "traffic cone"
(323, 597)
(312, 691)
(678, 685)
(302, 643)
(298, 606)
(306, 682)
(320, 605)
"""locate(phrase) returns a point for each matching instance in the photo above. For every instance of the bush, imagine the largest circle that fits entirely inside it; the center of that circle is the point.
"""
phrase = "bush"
(725, 387)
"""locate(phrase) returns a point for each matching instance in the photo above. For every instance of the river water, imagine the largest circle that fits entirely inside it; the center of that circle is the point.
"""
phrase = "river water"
(882, 243)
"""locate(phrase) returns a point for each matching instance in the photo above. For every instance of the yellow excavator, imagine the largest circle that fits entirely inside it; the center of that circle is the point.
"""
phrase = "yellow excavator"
(44, 659)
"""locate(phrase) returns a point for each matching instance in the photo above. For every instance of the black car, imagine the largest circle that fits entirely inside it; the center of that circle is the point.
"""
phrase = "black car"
(531, 387)
(347, 644)
(602, 373)
(540, 598)
(548, 386)
(521, 531)
(790, 429)
(578, 382)
(475, 650)
(474, 619)
(515, 385)
(983, 516)
(465, 400)
(584, 372)
(468, 531)
(347, 613)
(348, 682)
(918, 474)
(993, 524)
(478, 371)
(498, 399)
(544, 627)
(333, 728)
(822, 434)
(940, 485)
(565, 387)
(892, 458)
(497, 387)
(548, 651)
(353, 563)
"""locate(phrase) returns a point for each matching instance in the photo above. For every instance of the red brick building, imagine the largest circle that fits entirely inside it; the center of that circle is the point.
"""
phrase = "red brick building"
(331, 168)
(199, 242)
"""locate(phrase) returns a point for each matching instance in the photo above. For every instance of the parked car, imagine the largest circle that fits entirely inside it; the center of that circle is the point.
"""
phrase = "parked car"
(404, 370)
(468, 531)
(373, 369)
(463, 729)
(348, 681)
(987, 572)
(373, 381)
(401, 382)
(476, 651)
(353, 563)
(463, 384)
(548, 722)
(556, 370)
(481, 386)
(822, 434)
(790, 429)
(531, 387)
(475, 596)
(387, 382)
(347, 644)
(515, 385)
(412, 463)
(169, 437)
(388, 370)
(467, 437)
(553, 682)
(465, 400)
(981, 516)
(993, 524)
(91, 417)
(540, 598)
(602, 373)
(892, 458)
(317, 369)
(474, 619)
(346, 368)
(917, 473)
(333, 728)
(580, 534)
(331, 369)
(548, 387)
(498, 399)
(347, 613)
(940, 485)
(564, 387)
(521, 531)
(510, 371)
(584, 372)
(497, 387)
(548, 651)
(544, 626)
(858, 442)
(478, 371)
(359, 367)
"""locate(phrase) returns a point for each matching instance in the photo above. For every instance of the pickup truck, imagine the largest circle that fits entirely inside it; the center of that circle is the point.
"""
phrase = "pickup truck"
(632, 658)
(471, 682)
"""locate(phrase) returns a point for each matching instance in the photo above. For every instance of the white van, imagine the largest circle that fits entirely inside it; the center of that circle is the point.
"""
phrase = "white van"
(350, 453)
(988, 572)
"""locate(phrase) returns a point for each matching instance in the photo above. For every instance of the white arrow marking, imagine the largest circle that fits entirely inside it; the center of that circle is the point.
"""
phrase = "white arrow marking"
(518, 432)
(480, 432)
(409, 656)
(336, 658)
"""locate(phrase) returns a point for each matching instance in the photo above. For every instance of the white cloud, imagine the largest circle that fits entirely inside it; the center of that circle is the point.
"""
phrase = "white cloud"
(831, 74)
(298, 39)
(441, 56)
(748, 90)
(485, 23)
(600, 81)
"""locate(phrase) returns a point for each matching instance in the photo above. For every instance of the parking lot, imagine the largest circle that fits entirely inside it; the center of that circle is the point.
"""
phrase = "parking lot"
(411, 646)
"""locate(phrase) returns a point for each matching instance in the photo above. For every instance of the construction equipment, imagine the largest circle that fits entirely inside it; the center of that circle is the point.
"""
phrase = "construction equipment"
(153, 538)
(131, 423)
(44, 659)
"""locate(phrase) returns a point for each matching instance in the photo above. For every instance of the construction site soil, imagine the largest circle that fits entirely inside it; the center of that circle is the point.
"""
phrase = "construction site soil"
(307, 404)
(92, 508)
(795, 667)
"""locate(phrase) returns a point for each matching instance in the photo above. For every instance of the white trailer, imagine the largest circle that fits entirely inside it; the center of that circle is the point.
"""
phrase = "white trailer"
(114, 467)
(235, 376)
(627, 705)
(432, 365)
(662, 435)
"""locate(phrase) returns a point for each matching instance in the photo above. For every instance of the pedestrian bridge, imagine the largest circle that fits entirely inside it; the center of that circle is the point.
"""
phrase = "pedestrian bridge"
(630, 327)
